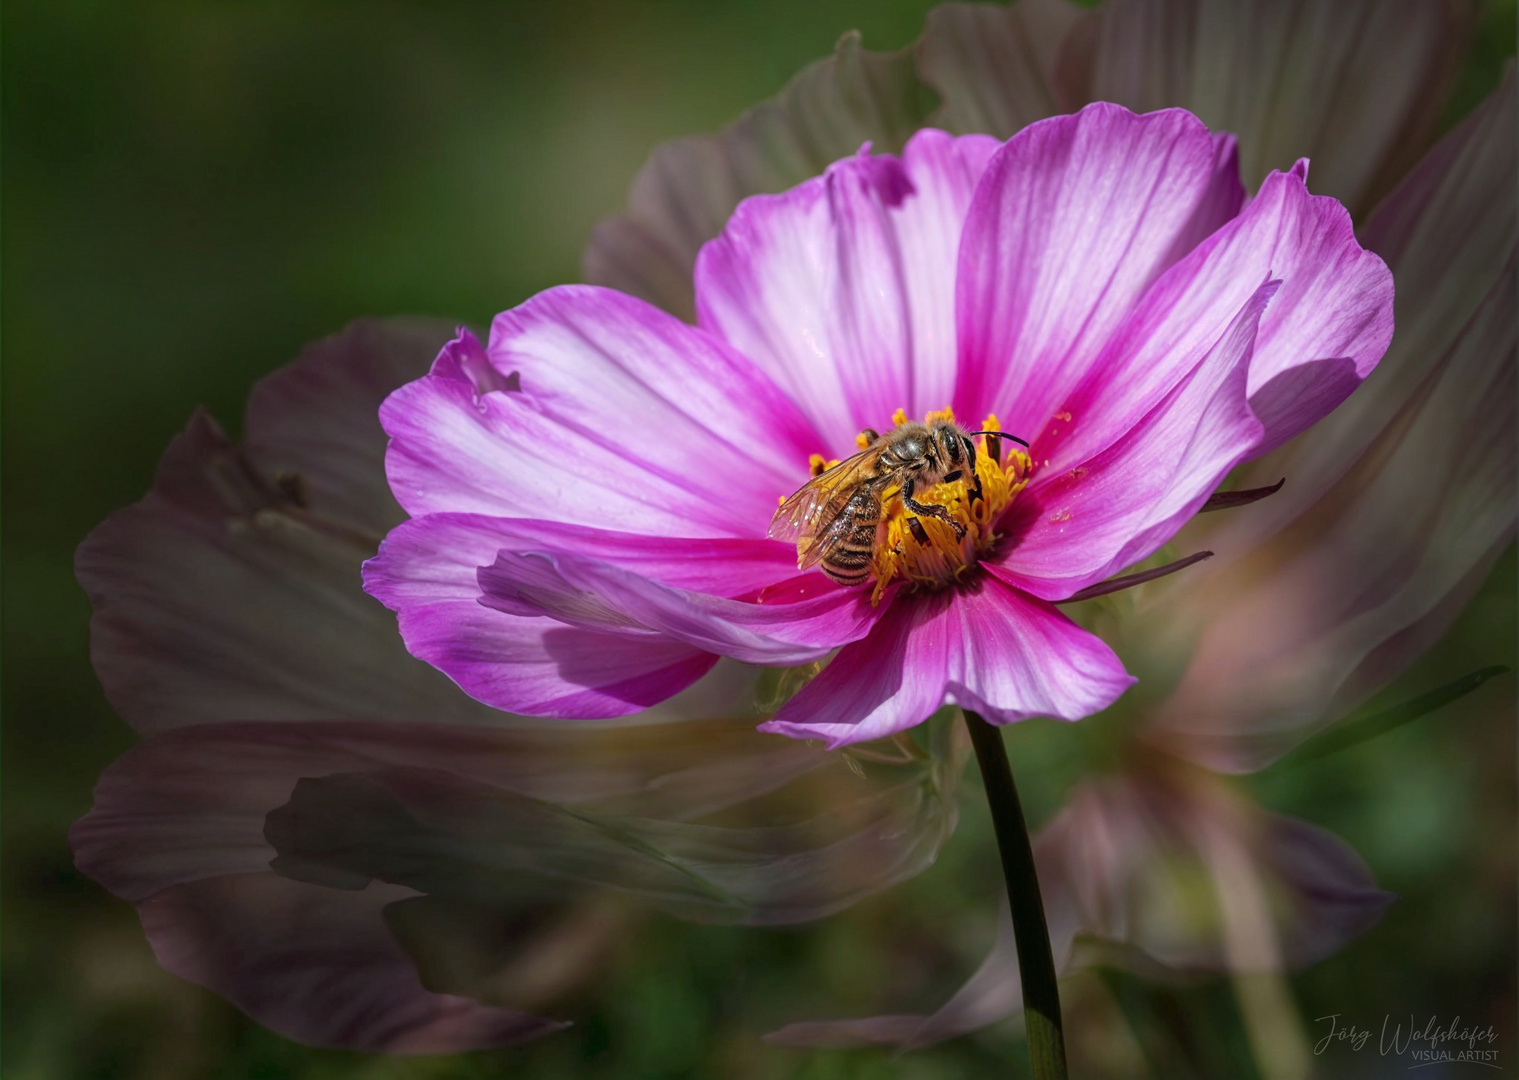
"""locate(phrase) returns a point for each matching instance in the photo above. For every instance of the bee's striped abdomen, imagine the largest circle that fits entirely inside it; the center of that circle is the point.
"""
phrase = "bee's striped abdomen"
(852, 537)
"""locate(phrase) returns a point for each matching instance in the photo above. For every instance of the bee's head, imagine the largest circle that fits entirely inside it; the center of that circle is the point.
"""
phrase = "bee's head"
(948, 444)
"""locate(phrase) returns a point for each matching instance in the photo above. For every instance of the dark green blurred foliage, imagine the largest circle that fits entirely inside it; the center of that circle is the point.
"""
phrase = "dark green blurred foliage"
(193, 191)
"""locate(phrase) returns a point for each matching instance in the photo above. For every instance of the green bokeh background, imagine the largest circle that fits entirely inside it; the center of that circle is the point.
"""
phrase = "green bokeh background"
(194, 190)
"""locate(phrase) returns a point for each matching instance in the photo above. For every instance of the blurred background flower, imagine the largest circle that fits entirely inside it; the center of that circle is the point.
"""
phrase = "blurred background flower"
(199, 190)
(337, 839)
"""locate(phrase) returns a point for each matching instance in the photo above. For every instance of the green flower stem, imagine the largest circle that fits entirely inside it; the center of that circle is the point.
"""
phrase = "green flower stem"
(1036, 964)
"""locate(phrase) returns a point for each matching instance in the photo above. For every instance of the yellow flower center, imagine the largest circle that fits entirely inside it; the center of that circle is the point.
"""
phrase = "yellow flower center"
(925, 550)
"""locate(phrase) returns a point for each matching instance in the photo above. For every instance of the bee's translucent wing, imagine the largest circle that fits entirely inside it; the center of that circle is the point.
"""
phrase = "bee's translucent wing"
(806, 515)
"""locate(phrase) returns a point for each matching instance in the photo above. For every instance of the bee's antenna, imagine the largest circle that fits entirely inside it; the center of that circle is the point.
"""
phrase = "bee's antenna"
(1000, 435)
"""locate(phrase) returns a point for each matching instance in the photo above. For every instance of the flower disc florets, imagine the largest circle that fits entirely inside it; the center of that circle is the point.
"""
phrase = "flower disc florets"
(924, 550)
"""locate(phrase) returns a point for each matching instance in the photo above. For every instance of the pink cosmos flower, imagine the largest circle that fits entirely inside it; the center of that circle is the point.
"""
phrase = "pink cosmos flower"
(590, 491)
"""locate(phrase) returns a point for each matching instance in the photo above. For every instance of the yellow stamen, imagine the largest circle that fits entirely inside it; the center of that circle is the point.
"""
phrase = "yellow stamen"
(924, 551)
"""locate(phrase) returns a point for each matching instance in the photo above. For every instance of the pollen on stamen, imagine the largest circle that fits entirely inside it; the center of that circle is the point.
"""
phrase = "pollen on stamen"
(924, 551)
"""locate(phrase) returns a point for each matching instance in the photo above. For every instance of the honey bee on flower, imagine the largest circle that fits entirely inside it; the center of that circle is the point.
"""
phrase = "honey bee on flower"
(917, 502)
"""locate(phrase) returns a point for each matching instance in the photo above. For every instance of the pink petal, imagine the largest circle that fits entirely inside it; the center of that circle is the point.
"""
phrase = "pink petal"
(592, 594)
(689, 187)
(1074, 219)
(427, 573)
(403, 571)
(1332, 317)
(221, 597)
(625, 418)
(986, 647)
(1324, 331)
(843, 287)
(1070, 529)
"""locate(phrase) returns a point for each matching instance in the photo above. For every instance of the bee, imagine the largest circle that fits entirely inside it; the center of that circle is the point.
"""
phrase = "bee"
(835, 517)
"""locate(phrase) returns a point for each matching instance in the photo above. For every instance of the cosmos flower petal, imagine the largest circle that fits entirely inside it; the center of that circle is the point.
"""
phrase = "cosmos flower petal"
(543, 667)
(843, 287)
(596, 595)
(688, 187)
(1071, 529)
(1075, 217)
(1326, 329)
(595, 408)
(1323, 331)
(427, 573)
(1015, 657)
(992, 649)
(891, 681)
(400, 573)
(543, 584)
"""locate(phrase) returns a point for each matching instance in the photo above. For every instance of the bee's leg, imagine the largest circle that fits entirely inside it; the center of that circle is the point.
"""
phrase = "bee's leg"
(928, 509)
(867, 437)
